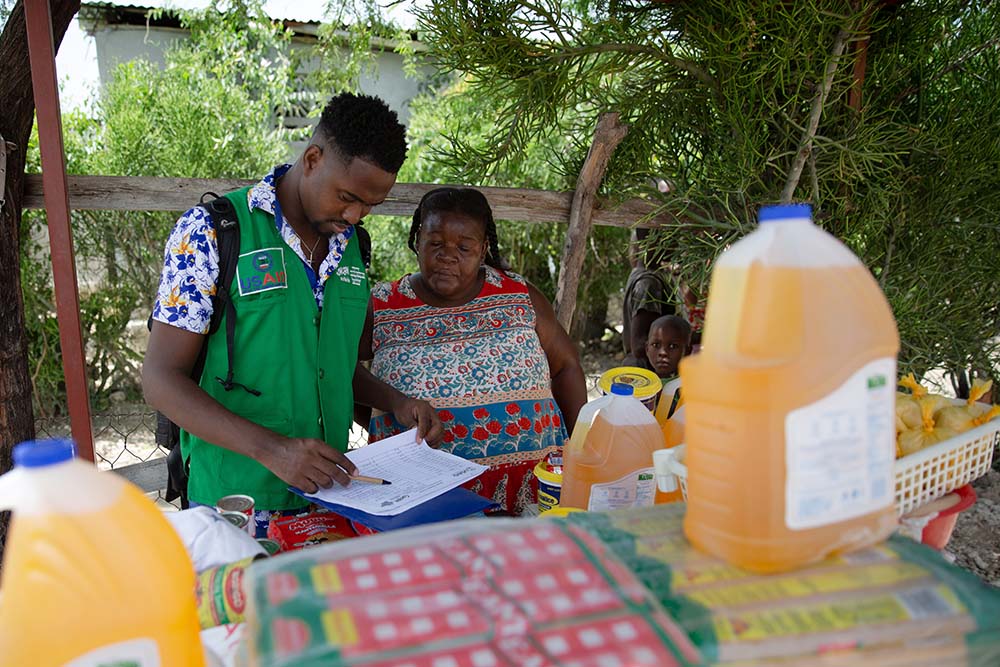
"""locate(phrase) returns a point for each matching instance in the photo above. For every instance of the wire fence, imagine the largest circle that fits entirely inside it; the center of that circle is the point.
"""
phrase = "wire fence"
(122, 437)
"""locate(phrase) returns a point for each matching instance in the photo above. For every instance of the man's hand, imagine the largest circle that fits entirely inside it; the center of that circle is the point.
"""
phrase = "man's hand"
(412, 412)
(308, 464)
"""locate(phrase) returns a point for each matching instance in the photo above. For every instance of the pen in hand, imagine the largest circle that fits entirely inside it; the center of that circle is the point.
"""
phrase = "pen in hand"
(369, 480)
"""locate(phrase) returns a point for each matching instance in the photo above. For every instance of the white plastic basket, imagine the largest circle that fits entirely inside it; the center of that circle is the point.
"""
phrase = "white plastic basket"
(920, 478)
(940, 469)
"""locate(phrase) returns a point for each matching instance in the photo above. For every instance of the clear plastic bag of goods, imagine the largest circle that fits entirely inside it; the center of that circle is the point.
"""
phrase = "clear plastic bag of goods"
(472, 592)
(595, 589)
(897, 603)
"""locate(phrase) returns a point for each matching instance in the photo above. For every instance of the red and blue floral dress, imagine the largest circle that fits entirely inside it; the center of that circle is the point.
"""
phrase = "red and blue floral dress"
(482, 367)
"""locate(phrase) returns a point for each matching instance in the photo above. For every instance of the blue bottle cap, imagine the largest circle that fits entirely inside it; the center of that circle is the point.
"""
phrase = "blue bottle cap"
(785, 212)
(622, 389)
(41, 453)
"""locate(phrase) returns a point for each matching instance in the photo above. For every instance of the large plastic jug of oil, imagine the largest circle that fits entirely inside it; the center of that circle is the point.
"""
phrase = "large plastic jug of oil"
(669, 402)
(93, 574)
(790, 403)
(608, 463)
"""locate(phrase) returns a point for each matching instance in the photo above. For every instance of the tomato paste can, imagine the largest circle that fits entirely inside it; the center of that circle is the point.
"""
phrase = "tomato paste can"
(243, 505)
(270, 546)
(221, 595)
(238, 519)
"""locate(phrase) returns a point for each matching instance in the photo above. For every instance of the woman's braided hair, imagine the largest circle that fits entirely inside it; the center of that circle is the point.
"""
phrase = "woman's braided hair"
(468, 201)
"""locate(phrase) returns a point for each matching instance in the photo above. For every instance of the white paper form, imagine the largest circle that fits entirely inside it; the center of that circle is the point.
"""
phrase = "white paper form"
(417, 472)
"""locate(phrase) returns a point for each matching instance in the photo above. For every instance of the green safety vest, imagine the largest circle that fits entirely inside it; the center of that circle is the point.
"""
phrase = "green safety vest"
(299, 358)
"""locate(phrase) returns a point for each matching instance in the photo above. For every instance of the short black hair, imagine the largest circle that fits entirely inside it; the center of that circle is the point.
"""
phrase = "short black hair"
(362, 126)
(468, 201)
(675, 322)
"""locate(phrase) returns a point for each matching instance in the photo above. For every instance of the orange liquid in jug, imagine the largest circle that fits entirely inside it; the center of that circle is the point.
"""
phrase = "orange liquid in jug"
(777, 339)
(673, 435)
(115, 581)
(601, 453)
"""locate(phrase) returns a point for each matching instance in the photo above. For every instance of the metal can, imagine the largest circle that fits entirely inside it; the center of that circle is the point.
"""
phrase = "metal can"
(220, 594)
(270, 546)
(238, 519)
(243, 505)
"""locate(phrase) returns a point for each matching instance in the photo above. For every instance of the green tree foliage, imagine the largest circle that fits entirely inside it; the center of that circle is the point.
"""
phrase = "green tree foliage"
(738, 104)
(211, 111)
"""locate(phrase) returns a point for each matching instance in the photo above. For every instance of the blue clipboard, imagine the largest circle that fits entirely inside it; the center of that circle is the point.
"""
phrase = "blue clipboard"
(454, 504)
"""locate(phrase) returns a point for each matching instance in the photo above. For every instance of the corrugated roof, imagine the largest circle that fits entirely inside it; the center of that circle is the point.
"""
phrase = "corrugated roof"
(301, 11)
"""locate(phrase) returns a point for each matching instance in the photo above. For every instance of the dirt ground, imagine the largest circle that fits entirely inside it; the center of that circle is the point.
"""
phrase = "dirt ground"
(975, 544)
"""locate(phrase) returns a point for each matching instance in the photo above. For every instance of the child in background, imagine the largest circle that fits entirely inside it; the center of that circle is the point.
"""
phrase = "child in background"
(668, 342)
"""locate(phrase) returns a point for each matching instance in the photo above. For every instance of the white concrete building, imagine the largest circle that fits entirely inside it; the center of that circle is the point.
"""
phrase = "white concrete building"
(124, 31)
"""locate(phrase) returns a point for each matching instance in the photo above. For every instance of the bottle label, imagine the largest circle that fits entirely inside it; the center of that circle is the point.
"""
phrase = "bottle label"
(839, 451)
(131, 653)
(636, 489)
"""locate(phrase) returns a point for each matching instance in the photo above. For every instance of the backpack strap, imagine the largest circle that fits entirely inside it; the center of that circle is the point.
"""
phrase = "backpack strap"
(227, 233)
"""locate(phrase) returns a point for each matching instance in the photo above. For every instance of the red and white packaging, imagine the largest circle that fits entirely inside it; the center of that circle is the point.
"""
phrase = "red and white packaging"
(295, 532)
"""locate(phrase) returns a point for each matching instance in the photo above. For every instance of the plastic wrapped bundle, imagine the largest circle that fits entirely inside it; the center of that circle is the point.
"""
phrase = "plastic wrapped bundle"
(898, 603)
(476, 592)
(597, 589)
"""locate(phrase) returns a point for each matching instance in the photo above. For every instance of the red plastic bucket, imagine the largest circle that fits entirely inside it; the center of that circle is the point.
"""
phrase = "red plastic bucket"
(937, 533)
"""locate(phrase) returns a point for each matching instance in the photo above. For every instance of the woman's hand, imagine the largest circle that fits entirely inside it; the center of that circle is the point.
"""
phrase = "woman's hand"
(412, 412)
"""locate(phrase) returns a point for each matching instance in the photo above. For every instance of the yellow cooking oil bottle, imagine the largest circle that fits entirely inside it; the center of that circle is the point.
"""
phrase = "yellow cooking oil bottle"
(93, 574)
(608, 463)
(789, 406)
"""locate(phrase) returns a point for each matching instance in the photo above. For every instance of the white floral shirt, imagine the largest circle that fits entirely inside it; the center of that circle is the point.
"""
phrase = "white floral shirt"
(191, 261)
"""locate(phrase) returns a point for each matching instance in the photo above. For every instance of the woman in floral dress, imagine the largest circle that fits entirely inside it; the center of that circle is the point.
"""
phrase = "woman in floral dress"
(479, 343)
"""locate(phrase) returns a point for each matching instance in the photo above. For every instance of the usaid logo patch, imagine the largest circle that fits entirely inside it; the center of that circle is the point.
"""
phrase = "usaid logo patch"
(261, 271)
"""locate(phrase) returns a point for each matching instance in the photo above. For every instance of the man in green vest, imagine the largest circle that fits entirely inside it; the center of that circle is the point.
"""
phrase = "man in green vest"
(301, 291)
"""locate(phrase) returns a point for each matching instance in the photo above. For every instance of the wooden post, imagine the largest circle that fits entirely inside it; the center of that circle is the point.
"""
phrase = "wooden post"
(42, 55)
(607, 136)
(17, 103)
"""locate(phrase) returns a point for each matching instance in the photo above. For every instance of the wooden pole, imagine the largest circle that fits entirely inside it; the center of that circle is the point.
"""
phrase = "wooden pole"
(153, 193)
(607, 136)
(43, 78)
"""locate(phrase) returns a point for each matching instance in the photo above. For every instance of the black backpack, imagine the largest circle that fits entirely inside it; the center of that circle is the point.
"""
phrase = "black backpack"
(227, 233)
